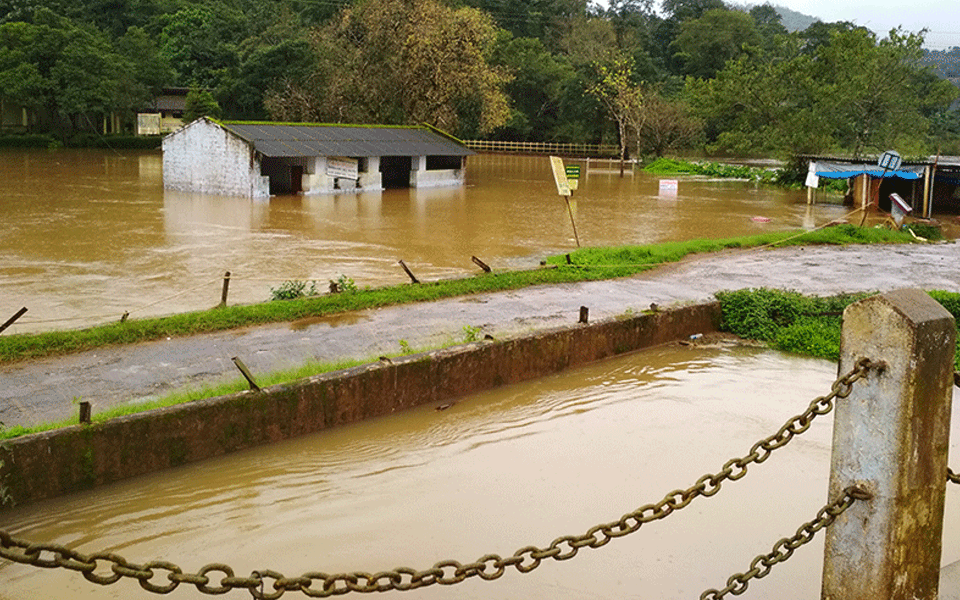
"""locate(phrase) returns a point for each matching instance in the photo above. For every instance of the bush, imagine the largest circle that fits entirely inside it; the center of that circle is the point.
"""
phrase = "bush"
(28, 141)
(293, 289)
(792, 322)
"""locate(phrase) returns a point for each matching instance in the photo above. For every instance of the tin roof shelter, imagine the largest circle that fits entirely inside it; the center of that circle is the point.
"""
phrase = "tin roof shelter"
(259, 159)
(921, 183)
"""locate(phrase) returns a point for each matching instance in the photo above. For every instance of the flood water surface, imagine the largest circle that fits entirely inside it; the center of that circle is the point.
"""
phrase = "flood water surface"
(89, 235)
(494, 473)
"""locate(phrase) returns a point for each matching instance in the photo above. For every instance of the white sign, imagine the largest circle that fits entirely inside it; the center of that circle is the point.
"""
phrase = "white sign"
(148, 124)
(889, 160)
(560, 176)
(813, 180)
(669, 187)
(344, 168)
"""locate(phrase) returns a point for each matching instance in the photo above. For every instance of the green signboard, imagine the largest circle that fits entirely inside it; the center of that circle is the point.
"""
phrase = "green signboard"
(573, 171)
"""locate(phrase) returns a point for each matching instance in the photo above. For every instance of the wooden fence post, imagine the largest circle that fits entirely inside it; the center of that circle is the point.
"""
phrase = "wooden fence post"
(890, 437)
(13, 319)
(226, 288)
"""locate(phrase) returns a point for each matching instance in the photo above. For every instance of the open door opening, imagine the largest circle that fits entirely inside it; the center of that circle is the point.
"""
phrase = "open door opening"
(395, 171)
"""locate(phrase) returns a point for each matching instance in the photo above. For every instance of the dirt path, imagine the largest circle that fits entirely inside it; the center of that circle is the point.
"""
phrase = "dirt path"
(44, 390)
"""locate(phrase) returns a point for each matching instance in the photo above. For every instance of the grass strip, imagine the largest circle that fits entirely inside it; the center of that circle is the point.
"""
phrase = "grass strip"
(586, 264)
(212, 390)
(799, 324)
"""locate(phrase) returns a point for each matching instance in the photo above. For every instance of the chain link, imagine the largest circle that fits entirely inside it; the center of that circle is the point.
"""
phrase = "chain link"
(447, 572)
(952, 477)
(761, 566)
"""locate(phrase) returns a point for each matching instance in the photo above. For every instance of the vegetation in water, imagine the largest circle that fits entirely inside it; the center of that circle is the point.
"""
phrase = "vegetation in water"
(794, 322)
(672, 166)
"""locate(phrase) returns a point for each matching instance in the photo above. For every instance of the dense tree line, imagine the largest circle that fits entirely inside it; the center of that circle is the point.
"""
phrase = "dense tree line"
(651, 77)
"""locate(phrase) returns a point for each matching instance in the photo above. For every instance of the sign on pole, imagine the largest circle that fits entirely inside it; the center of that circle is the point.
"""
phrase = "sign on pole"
(560, 176)
(813, 180)
(889, 161)
(573, 176)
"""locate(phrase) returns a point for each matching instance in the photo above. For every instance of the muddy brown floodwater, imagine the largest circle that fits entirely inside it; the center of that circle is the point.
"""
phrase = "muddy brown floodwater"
(90, 234)
(495, 472)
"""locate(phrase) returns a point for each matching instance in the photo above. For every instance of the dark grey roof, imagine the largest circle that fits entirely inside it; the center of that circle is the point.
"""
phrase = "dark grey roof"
(345, 140)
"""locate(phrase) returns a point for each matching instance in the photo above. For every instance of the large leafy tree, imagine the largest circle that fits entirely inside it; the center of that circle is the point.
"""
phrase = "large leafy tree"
(854, 93)
(200, 43)
(539, 79)
(74, 72)
(401, 62)
(705, 44)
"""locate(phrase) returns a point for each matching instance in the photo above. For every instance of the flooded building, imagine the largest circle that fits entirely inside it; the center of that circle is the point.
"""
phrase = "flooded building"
(922, 183)
(262, 159)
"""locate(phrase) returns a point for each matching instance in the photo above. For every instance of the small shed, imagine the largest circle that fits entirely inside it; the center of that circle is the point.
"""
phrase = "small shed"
(915, 181)
(261, 159)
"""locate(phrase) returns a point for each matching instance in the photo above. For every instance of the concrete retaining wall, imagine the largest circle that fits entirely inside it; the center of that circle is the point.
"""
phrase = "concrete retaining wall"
(80, 457)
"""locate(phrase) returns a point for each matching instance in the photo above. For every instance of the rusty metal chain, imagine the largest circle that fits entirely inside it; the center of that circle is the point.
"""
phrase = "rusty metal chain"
(106, 568)
(762, 565)
(952, 477)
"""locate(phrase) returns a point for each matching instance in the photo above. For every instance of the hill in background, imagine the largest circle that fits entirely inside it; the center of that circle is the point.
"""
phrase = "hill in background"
(791, 19)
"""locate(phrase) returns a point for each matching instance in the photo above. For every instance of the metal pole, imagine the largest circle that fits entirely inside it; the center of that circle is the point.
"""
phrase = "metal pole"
(572, 222)
(891, 438)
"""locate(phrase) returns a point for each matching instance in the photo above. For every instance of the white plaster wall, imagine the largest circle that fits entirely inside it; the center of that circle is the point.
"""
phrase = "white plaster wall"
(205, 158)
(438, 178)
(370, 177)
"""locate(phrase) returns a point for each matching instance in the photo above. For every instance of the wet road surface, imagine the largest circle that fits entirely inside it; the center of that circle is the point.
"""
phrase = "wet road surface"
(45, 390)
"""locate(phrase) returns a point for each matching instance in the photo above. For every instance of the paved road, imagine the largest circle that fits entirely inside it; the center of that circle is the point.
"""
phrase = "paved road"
(44, 390)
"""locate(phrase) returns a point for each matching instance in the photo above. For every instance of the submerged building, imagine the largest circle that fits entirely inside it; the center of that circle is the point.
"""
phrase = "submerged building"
(262, 159)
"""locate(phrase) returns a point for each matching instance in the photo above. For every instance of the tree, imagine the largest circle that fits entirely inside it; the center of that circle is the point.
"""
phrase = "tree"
(707, 43)
(539, 79)
(854, 94)
(621, 97)
(871, 89)
(200, 103)
(684, 10)
(667, 124)
(201, 44)
(401, 62)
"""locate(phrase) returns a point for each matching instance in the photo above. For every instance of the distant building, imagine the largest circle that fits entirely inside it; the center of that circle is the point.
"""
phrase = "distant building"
(164, 113)
(260, 159)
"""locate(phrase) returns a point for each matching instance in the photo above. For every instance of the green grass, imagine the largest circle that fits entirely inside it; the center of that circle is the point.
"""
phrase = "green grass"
(587, 264)
(191, 394)
(808, 325)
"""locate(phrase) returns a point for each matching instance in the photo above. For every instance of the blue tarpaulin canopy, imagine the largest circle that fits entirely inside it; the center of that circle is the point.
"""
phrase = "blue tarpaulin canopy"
(844, 170)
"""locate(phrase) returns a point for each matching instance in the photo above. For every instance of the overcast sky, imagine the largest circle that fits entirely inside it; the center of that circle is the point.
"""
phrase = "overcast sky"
(940, 17)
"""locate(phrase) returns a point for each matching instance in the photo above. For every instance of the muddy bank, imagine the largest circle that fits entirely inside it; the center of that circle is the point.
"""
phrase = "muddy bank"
(45, 390)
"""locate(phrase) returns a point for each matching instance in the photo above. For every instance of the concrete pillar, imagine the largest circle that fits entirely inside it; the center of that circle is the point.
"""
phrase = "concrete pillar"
(891, 437)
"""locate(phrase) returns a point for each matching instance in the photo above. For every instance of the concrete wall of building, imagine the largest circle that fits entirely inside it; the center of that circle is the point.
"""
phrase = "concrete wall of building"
(438, 178)
(422, 177)
(205, 158)
(54, 463)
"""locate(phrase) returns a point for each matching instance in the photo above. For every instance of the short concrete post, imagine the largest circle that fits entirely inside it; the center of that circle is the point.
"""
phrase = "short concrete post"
(891, 438)
(84, 413)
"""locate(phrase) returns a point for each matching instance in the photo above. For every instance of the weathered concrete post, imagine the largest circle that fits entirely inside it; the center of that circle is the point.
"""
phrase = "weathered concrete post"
(890, 437)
